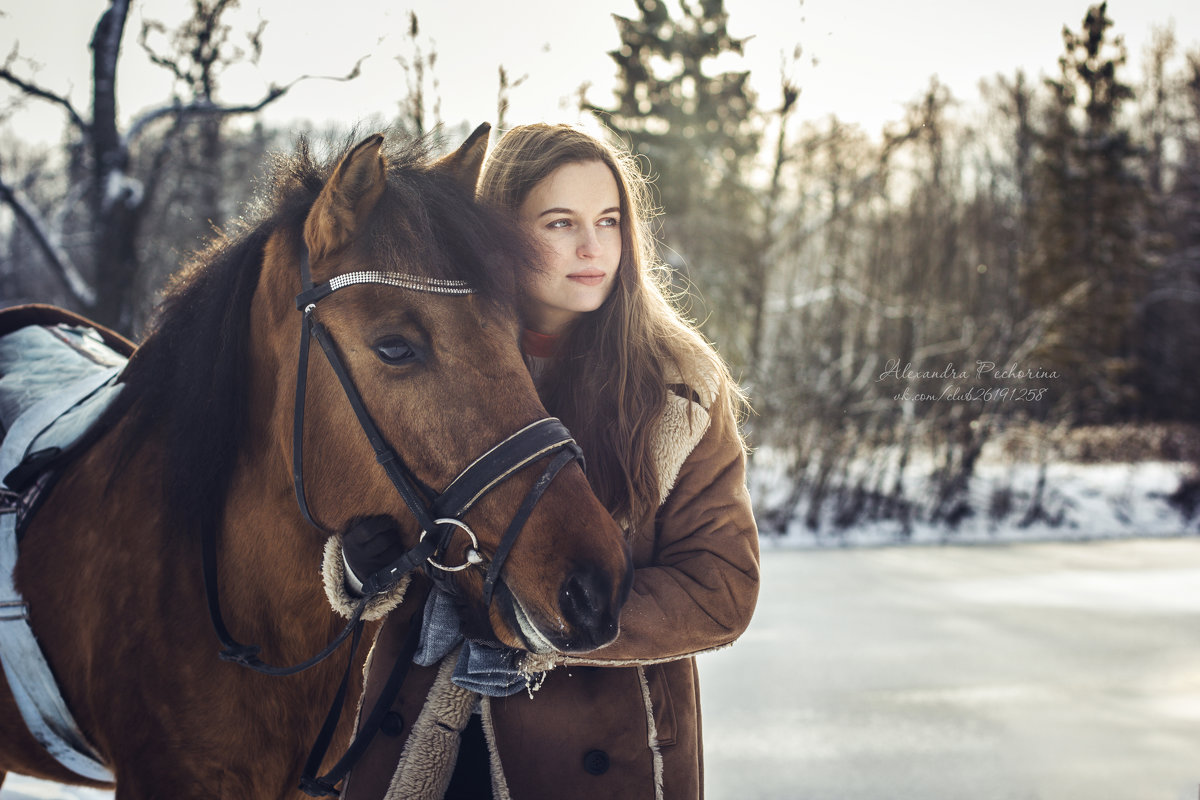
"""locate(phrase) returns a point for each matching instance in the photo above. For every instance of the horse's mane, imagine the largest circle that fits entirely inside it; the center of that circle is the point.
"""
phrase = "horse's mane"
(189, 382)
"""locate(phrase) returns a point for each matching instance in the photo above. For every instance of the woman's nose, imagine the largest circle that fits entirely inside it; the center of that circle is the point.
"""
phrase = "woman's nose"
(589, 244)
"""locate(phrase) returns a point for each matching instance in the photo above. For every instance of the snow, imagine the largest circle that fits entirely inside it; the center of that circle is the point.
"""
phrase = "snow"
(1079, 502)
(21, 787)
(122, 188)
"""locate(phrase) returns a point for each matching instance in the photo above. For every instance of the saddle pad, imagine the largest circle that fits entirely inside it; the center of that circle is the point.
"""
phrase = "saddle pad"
(55, 382)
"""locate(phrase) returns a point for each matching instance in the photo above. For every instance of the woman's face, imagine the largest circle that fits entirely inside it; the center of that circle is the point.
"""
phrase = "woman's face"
(575, 213)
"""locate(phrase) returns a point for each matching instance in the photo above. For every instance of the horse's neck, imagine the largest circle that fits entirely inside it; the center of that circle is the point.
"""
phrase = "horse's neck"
(268, 554)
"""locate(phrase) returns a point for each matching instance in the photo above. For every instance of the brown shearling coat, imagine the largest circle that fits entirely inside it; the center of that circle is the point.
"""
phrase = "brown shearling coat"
(623, 721)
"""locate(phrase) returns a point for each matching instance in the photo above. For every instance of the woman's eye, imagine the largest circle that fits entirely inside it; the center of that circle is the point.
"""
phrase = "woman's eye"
(609, 222)
(559, 223)
(394, 350)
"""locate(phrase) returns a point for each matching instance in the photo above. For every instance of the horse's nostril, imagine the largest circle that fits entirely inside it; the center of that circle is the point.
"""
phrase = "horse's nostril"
(587, 608)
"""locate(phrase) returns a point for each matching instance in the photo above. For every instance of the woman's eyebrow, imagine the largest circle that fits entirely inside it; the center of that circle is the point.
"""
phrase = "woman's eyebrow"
(612, 210)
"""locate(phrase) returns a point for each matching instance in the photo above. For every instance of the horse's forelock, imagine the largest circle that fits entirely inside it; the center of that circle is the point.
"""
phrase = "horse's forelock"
(443, 233)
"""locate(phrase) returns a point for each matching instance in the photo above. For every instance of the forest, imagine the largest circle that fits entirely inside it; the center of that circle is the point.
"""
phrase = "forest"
(1013, 274)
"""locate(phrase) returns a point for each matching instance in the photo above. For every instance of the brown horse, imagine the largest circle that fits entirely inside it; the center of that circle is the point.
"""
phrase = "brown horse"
(110, 566)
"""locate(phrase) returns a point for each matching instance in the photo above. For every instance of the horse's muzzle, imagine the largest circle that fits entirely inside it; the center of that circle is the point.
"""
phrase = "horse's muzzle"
(588, 614)
(590, 608)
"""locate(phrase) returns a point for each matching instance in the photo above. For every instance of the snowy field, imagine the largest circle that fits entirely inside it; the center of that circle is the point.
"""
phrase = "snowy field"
(1032, 671)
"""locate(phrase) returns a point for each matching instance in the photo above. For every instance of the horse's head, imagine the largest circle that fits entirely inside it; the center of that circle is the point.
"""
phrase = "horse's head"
(431, 348)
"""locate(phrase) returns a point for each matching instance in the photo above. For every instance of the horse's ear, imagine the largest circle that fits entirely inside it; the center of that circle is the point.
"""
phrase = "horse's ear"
(463, 164)
(347, 199)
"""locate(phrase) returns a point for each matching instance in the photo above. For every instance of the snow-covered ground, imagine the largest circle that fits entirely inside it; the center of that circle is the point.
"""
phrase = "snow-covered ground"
(19, 787)
(1029, 671)
(1079, 502)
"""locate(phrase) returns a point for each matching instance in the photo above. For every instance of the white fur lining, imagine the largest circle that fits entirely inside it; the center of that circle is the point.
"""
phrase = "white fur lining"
(680, 428)
(700, 379)
(427, 761)
(499, 782)
(652, 734)
(333, 573)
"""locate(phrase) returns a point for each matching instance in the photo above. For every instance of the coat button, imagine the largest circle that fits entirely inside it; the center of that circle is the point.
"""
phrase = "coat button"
(595, 762)
(392, 724)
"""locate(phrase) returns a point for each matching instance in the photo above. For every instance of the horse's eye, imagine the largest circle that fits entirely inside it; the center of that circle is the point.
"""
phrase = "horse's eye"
(394, 350)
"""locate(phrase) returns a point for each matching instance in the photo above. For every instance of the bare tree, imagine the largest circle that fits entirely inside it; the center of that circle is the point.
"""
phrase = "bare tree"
(101, 280)
(417, 67)
(506, 85)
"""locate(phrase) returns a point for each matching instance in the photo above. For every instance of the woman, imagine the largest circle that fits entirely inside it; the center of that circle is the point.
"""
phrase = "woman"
(655, 411)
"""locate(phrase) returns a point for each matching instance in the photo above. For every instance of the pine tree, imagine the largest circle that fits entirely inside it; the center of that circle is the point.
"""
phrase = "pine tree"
(1089, 270)
(694, 129)
(1169, 318)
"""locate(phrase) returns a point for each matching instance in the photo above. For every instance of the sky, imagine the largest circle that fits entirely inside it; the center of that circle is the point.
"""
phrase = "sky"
(861, 59)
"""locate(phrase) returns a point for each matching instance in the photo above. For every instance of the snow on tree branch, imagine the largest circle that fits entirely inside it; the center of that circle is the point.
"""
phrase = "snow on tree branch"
(59, 262)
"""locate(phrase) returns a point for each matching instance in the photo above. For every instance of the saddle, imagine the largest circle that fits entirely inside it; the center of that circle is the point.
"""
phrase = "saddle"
(58, 375)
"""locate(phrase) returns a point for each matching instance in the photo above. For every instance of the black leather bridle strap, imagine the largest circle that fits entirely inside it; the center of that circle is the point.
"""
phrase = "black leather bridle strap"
(533, 442)
(509, 538)
(326, 785)
(541, 439)
(384, 454)
(308, 780)
(247, 654)
(409, 491)
(298, 425)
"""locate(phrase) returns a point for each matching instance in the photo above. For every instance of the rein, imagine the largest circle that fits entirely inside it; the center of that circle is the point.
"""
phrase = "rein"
(438, 515)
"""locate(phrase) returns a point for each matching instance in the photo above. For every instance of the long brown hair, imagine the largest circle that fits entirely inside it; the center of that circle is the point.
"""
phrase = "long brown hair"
(616, 364)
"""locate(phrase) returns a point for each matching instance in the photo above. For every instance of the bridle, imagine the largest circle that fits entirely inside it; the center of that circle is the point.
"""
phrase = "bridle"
(438, 516)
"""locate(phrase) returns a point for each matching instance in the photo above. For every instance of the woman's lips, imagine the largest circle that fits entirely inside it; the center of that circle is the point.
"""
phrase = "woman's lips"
(587, 277)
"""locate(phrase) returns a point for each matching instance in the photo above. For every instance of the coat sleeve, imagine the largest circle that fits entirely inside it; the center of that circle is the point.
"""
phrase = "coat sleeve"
(700, 588)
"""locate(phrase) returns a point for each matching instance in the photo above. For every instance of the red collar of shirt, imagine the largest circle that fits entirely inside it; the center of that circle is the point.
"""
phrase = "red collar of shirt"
(539, 345)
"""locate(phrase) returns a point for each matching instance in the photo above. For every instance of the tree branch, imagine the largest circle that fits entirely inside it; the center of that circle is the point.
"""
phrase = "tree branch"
(163, 61)
(180, 109)
(34, 90)
(75, 284)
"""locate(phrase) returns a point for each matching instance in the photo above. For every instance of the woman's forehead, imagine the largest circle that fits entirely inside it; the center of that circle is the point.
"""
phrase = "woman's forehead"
(586, 186)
